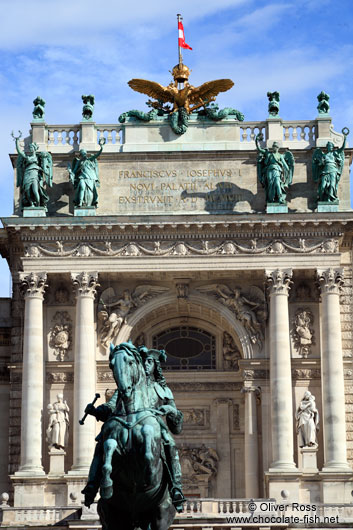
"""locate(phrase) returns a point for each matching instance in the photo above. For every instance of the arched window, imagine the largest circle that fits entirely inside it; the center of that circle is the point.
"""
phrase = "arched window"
(187, 347)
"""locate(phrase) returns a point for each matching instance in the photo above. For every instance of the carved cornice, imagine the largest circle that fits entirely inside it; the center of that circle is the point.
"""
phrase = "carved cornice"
(330, 280)
(33, 285)
(279, 281)
(85, 283)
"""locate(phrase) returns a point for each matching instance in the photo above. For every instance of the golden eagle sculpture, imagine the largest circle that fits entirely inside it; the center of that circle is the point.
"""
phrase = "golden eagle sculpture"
(180, 93)
(179, 99)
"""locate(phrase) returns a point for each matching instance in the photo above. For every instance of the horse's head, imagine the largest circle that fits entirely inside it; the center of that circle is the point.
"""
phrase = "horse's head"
(126, 364)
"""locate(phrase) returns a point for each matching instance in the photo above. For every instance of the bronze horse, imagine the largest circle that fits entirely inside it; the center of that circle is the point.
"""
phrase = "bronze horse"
(134, 486)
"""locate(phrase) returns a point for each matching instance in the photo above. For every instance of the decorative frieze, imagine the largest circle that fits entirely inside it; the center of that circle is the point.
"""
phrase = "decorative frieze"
(196, 417)
(60, 377)
(306, 373)
(183, 248)
(209, 387)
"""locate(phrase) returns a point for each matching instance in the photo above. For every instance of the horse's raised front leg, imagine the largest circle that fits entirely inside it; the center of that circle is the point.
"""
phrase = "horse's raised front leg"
(106, 489)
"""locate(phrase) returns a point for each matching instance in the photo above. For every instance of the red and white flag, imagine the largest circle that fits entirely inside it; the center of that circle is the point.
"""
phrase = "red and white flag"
(182, 42)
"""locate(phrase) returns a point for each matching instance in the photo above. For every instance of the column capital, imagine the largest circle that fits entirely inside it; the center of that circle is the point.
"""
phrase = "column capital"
(279, 281)
(330, 280)
(249, 389)
(85, 283)
(33, 285)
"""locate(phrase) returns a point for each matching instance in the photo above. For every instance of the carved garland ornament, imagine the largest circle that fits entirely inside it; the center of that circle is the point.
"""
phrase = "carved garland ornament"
(181, 248)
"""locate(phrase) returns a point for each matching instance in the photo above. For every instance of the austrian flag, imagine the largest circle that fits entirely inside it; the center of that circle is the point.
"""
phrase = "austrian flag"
(182, 42)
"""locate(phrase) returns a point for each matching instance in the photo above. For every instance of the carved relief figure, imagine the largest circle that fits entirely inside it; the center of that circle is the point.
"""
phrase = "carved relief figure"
(327, 170)
(274, 171)
(123, 306)
(231, 354)
(307, 417)
(58, 428)
(33, 171)
(249, 307)
(84, 177)
(303, 332)
(198, 462)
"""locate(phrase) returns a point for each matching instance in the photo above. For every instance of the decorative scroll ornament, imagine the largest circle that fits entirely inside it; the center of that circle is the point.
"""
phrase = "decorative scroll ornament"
(33, 284)
(279, 281)
(85, 283)
(122, 306)
(231, 353)
(303, 332)
(248, 305)
(330, 280)
(61, 334)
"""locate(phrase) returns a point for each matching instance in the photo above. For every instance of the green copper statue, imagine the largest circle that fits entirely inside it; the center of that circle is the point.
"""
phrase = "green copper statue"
(136, 463)
(33, 171)
(84, 177)
(88, 106)
(38, 111)
(274, 171)
(323, 105)
(273, 103)
(327, 170)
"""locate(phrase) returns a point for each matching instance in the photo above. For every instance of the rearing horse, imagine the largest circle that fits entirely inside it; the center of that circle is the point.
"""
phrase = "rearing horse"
(134, 488)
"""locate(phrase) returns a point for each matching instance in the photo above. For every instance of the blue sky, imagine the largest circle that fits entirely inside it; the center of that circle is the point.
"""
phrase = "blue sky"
(61, 50)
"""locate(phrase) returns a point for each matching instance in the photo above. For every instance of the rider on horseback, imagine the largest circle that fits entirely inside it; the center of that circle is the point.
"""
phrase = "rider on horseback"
(160, 398)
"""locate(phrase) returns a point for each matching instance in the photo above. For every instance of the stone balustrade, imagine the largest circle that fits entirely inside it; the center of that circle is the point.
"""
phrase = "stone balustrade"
(198, 514)
(300, 134)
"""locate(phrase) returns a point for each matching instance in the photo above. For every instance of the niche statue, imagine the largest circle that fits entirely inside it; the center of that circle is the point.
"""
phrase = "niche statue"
(84, 176)
(34, 170)
(274, 171)
(136, 463)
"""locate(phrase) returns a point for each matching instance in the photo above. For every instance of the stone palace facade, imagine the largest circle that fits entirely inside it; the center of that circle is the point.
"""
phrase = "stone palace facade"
(252, 304)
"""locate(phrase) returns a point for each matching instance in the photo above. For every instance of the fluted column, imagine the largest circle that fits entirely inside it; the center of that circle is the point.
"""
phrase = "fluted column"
(32, 287)
(332, 378)
(280, 371)
(251, 443)
(85, 284)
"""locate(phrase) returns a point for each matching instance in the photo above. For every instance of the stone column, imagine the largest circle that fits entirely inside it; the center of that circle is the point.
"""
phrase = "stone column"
(85, 284)
(32, 287)
(332, 378)
(251, 443)
(223, 447)
(280, 371)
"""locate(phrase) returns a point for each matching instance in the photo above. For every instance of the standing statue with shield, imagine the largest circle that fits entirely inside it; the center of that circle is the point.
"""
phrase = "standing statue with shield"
(34, 170)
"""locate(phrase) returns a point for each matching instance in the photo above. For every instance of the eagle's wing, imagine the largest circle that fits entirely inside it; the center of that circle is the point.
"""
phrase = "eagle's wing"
(210, 89)
(152, 89)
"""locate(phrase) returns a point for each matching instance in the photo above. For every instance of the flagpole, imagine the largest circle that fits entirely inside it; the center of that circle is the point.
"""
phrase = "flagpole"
(179, 48)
